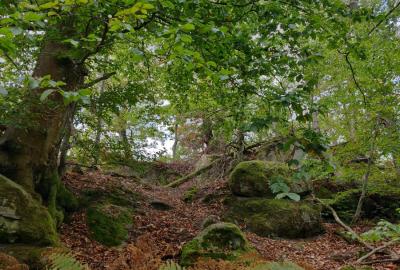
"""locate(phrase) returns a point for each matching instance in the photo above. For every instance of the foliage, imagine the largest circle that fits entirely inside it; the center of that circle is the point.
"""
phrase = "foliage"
(65, 261)
(384, 230)
(170, 265)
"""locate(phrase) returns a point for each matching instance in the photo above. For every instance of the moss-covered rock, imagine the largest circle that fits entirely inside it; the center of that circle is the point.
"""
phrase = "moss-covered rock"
(350, 267)
(277, 218)
(381, 202)
(218, 241)
(253, 178)
(109, 223)
(278, 266)
(190, 194)
(22, 218)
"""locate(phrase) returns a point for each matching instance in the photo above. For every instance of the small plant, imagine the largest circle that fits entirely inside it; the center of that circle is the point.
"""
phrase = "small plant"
(171, 265)
(65, 261)
(282, 190)
(384, 230)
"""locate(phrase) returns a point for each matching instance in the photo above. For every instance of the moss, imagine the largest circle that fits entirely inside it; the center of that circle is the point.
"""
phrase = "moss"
(278, 266)
(276, 218)
(253, 178)
(108, 223)
(381, 202)
(22, 218)
(190, 194)
(58, 198)
(218, 241)
(350, 267)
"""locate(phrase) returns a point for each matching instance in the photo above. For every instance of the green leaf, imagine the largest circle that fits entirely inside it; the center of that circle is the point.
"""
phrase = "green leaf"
(188, 27)
(293, 196)
(45, 94)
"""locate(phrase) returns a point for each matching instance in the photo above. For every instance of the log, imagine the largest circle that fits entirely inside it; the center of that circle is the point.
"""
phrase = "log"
(186, 178)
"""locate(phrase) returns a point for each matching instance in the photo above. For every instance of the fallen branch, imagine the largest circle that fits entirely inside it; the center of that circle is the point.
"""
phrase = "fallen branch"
(375, 250)
(341, 223)
(186, 178)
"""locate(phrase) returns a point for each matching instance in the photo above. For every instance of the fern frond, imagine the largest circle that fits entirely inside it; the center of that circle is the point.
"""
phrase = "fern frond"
(170, 265)
(65, 261)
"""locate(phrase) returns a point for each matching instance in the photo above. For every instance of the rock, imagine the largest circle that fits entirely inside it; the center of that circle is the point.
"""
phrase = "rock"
(211, 219)
(22, 218)
(218, 241)
(253, 178)
(380, 202)
(159, 205)
(109, 223)
(278, 265)
(277, 218)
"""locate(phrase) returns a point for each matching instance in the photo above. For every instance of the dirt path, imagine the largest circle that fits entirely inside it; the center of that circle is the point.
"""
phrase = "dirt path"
(158, 235)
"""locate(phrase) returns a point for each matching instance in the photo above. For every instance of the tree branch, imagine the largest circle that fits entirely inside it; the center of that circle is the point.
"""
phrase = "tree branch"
(384, 18)
(353, 74)
(102, 78)
(375, 250)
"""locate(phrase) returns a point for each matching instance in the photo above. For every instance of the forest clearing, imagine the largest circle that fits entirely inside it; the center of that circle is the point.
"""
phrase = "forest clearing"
(199, 135)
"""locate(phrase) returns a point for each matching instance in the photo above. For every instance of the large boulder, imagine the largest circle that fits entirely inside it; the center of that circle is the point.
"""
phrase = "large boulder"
(276, 218)
(218, 241)
(253, 178)
(22, 218)
(109, 224)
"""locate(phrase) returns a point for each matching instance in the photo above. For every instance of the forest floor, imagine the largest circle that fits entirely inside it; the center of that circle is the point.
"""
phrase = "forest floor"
(158, 235)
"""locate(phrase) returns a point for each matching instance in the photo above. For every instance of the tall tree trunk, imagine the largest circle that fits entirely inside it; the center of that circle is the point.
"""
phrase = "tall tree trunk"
(99, 129)
(364, 188)
(32, 151)
(176, 141)
(66, 144)
(126, 145)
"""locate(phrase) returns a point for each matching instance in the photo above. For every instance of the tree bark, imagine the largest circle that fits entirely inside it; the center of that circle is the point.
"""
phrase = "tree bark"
(32, 151)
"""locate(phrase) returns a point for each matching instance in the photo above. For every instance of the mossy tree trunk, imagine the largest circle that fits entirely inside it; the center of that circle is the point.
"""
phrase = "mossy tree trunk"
(32, 149)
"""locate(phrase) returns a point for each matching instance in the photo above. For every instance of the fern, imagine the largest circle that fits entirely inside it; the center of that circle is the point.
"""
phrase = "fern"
(65, 261)
(170, 265)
